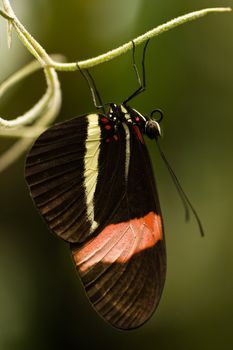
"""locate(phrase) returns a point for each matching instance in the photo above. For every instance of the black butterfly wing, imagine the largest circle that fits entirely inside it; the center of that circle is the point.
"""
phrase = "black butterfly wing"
(123, 268)
(73, 180)
(123, 271)
(95, 189)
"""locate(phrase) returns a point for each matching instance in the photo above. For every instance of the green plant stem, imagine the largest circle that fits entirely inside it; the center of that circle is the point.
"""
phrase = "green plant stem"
(40, 106)
(41, 55)
(46, 109)
(138, 40)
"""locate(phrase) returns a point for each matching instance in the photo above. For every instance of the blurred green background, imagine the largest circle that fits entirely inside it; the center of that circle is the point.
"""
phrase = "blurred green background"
(189, 76)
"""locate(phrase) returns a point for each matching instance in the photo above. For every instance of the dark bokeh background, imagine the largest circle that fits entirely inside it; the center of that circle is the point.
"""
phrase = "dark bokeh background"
(190, 76)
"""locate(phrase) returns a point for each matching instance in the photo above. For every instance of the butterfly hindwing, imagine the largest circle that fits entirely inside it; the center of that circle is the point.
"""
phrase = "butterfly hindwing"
(123, 270)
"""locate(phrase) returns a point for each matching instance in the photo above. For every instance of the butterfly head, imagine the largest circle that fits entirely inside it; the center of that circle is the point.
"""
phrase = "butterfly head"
(123, 113)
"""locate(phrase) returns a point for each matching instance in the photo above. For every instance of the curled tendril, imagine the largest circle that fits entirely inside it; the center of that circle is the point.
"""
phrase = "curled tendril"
(157, 111)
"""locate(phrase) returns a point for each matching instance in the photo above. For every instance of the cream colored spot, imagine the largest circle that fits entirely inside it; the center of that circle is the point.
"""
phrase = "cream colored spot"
(91, 164)
(127, 150)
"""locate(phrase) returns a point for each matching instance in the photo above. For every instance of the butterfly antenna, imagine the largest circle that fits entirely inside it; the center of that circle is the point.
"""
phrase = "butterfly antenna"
(186, 202)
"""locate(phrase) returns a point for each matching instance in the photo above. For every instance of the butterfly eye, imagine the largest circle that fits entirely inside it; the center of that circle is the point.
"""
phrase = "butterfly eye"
(152, 129)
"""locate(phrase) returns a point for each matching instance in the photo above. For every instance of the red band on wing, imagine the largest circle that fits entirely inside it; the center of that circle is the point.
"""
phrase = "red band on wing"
(138, 133)
(119, 242)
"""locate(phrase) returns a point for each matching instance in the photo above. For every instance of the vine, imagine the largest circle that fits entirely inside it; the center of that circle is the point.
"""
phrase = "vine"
(29, 125)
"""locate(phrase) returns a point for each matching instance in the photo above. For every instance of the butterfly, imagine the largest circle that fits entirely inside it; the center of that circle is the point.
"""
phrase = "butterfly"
(92, 181)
